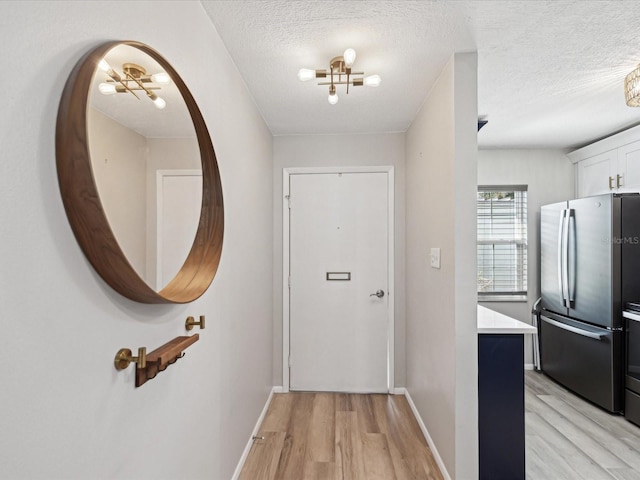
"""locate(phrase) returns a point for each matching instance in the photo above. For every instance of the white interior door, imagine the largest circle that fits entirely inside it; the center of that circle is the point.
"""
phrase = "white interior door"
(179, 205)
(339, 259)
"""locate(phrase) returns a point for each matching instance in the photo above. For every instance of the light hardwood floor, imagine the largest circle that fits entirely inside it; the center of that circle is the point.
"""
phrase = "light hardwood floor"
(569, 438)
(334, 436)
(326, 436)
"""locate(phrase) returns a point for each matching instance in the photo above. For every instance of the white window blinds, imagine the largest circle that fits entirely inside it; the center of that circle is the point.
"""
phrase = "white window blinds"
(502, 241)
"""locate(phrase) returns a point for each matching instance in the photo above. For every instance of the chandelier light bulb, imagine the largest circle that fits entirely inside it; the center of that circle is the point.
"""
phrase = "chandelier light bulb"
(159, 103)
(107, 88)
(333, 98)
(162, 78)
(104, 66)
(305, 74)
(372, 81)
(349, 56)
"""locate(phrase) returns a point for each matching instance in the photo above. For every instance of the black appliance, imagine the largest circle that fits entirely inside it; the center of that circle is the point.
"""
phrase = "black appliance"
(632, 373)
(590, 259)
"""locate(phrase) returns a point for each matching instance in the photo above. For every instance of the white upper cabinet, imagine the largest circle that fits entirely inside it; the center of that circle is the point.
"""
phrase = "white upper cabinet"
(597, 174)
(611, 165)
(629, 163)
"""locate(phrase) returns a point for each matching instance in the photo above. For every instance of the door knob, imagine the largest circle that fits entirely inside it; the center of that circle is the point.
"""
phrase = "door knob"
(379, 294)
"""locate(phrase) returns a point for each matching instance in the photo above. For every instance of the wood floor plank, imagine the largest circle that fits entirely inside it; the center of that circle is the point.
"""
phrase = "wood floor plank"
(263, 459)
(616, 424)
(387, 419)
(319, 471)
(421, 451)
(531, 383)
(378, 464)
(321, 433)
(632, 442)
(607, 440)
(277, 416)
(625, 473)
(574, 433)
(405, 411)
(535, 467)
(366, 419)
(349, 457)
(584, 426)
(409, 451)
(553, 461)
(343, 402)
(576, 459)
(291, 465)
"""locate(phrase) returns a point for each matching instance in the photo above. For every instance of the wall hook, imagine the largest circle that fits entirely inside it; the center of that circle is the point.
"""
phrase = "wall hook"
(148, 365)
(190, 323)
(124, 358)
(177, 357)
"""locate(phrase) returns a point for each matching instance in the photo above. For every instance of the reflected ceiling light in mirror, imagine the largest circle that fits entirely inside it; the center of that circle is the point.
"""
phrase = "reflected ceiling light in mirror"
(134, 78)
(162, 78)
(339, 67)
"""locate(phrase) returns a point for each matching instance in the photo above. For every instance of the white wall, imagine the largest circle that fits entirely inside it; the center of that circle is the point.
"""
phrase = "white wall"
(441, 326)
(342, 150)
(65, 411)
(549, 176)
(119, 164)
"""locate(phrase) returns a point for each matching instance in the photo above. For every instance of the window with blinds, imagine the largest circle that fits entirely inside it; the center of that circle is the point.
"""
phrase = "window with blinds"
(502, 242)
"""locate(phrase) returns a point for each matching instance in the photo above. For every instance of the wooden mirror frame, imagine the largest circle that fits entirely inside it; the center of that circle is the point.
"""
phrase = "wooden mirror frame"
(84, 208)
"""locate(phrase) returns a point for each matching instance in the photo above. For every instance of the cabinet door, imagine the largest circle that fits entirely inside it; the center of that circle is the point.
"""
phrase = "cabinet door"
(629, 167)
(597, 174)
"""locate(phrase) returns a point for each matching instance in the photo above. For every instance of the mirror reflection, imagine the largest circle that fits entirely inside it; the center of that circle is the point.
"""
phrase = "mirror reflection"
(146, 162)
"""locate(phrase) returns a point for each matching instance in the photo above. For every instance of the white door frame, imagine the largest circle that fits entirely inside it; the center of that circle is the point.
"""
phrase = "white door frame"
(286, 173)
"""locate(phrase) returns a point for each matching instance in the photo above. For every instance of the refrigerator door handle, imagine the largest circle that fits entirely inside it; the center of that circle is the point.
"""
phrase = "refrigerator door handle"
(571, 257)
(569, 328)
(560, 255)
(565, 259)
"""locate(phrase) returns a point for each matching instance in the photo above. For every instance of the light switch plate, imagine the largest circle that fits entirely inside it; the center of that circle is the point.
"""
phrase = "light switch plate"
(435, 258)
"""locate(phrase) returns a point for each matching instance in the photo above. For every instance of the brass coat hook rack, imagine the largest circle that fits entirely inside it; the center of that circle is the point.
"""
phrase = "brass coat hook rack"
(148, 365)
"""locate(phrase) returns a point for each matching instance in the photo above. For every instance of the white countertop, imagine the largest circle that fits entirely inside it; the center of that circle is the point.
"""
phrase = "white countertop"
(490, 321)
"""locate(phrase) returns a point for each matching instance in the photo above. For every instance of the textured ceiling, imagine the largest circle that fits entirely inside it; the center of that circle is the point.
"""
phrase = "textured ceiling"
(550, 73)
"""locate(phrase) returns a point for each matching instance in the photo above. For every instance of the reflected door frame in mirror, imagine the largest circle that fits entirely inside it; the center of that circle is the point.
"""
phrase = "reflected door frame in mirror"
(84, 208)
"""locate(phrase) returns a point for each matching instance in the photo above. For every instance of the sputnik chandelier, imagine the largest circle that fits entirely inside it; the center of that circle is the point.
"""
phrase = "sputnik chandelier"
(134, 78)
(340, 73)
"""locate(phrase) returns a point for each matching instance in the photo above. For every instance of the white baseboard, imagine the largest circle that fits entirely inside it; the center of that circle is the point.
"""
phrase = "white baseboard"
(528, 366)
(256, 429)
(427, 437)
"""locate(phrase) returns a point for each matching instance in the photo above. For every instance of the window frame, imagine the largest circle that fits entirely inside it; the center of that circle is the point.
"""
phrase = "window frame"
(516, 295)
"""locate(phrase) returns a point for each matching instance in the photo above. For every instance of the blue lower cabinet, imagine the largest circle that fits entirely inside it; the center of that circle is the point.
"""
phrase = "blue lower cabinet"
(501, 406)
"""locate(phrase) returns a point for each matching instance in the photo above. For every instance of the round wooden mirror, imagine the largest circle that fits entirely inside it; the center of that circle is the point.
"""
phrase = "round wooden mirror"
(138, 175)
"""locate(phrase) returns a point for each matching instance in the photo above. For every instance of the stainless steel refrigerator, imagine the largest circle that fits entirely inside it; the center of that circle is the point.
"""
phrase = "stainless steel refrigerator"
(590, 260)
